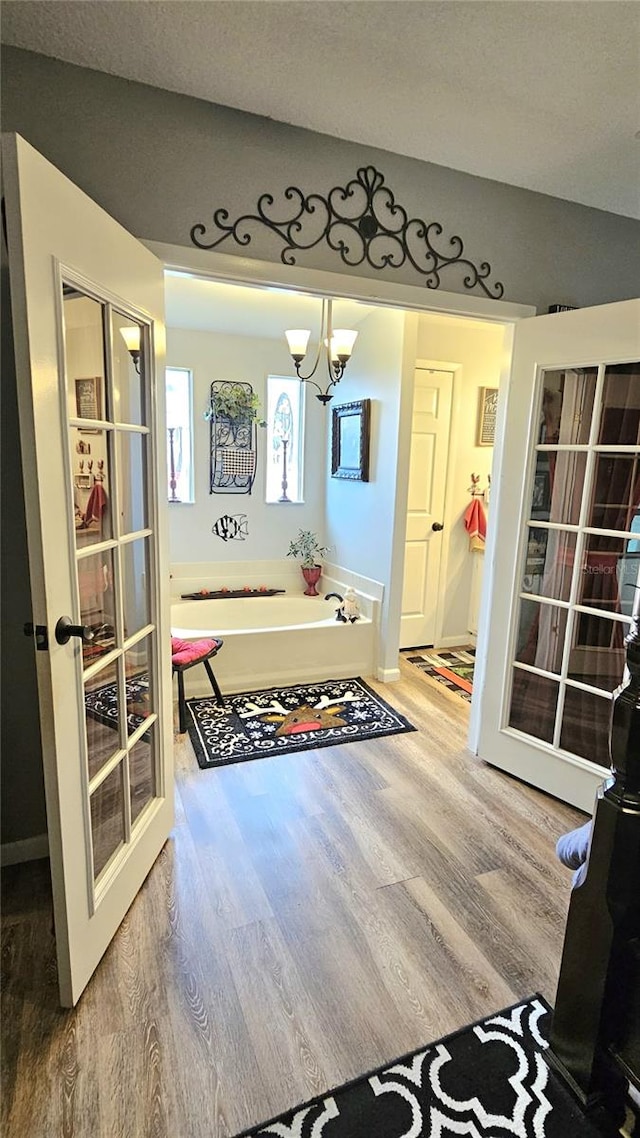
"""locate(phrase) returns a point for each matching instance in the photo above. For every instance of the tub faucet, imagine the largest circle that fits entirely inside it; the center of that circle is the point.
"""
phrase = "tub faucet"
(339, 613)
(336, 595)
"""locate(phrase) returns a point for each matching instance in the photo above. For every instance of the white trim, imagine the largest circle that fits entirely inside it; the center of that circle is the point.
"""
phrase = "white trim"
(388, 675)
(319, 282)
(27, 849)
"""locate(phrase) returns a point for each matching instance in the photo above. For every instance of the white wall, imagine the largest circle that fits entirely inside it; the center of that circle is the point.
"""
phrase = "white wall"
(210, 356)
(474, 351)
(360, 515)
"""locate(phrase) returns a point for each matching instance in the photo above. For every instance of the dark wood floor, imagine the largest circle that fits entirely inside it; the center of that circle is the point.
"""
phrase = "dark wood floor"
(312, 916)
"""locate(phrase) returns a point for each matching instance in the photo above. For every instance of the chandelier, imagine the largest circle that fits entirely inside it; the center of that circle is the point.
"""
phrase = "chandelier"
(335, 345)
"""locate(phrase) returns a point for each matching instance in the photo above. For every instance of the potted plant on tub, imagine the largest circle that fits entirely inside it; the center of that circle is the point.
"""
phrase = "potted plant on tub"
(307, 549)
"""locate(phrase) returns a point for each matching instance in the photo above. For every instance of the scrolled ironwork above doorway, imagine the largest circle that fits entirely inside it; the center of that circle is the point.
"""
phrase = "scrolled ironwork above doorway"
(363, 223)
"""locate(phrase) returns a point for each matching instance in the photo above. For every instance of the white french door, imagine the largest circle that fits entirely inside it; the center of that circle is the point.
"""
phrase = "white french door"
(565, 549)
(94, 479)
(430, 427)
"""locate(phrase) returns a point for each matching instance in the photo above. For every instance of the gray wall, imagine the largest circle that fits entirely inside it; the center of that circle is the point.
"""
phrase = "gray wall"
(159, 162)
(23, 810)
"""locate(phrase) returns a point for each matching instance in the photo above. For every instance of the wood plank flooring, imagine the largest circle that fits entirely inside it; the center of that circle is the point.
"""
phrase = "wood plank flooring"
(312, 916)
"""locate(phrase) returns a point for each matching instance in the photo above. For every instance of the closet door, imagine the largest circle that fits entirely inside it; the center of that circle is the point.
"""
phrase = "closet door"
(566, 549)
(95, 477)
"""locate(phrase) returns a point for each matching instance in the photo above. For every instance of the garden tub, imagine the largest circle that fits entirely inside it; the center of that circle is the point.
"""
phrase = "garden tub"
(274, 641)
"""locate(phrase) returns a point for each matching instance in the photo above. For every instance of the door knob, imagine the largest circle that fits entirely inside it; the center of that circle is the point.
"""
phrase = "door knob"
(65, 629)
(437, 526)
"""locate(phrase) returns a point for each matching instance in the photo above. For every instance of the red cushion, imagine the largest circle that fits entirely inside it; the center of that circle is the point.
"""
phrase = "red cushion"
(190, 651)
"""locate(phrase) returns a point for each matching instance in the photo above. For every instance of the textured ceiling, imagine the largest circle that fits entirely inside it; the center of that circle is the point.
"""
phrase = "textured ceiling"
(542, 94)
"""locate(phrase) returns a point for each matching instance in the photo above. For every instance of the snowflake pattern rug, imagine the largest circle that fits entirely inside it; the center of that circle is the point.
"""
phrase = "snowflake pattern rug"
(489, 1080)
(278, 721)
(101, 704)
(453, 669)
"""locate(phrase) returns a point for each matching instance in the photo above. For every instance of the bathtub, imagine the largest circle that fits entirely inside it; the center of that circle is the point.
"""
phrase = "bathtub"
(272, 641)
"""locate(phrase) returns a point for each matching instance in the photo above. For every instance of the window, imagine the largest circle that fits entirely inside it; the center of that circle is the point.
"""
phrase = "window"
(285, 439)
(179, 435)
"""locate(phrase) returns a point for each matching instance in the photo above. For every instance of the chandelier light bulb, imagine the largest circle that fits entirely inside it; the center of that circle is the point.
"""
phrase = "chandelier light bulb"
(342, 341)
(298, 340)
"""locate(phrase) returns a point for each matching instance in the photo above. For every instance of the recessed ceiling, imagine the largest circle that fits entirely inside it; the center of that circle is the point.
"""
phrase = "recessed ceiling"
(544, 95)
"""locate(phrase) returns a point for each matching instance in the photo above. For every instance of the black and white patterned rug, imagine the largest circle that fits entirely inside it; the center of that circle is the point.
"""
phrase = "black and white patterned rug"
(281, 720)
(486, 1081)
(101, 704)
(453, 669)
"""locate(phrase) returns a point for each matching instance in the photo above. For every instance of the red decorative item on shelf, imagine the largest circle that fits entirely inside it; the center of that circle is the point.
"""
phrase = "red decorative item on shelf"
(311, 574)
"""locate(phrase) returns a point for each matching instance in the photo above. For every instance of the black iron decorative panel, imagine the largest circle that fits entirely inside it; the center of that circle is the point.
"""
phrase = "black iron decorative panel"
(233, 446)
(363, 223)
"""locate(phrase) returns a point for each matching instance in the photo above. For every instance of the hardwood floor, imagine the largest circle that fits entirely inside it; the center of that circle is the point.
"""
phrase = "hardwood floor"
(311, 917)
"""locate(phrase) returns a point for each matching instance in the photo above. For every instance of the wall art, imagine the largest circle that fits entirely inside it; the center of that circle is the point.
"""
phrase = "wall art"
(363, 223)
(233, 437)
(231, 527)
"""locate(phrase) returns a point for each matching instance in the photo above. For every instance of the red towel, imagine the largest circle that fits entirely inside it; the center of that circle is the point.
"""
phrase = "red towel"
(96, 505)
(475, 523)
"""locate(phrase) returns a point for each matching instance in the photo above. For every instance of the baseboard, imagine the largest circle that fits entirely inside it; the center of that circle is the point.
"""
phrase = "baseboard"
(234, 683)
(388, 675)
(459, 641)
(29, 849)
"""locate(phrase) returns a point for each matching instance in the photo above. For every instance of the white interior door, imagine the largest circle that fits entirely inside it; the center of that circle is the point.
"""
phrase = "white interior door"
(425, 506)
(564, 549)
(93, 453)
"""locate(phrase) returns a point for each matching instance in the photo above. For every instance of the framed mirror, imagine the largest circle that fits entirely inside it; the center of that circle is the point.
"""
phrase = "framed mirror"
(350, 440)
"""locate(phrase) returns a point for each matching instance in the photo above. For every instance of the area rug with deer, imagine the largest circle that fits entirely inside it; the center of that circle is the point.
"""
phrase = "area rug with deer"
(488, 1080)
(276, 721)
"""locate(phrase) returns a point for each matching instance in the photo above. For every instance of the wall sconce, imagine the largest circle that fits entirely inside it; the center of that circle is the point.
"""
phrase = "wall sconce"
(131, 337)
(338, 346)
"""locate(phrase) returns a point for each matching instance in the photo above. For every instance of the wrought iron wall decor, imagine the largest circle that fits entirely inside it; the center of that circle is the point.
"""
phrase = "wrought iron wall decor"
(362, 222)
(233, 445)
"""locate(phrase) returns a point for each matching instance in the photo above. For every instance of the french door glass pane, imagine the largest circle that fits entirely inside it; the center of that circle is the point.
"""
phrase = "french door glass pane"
(549, 563)
(135, 585)
(541, 635)
(107, 819)
(533, 704)
(97, 602)
(620, 418)
(102, 714)
(132, 461)
(556, 494)
(83, 317)
(91, 486)
(615, 501)
(142, 772)
(566, 406)
(585, 725)
(128, 370)
(608, 574)
(597, 651)
(137, 667)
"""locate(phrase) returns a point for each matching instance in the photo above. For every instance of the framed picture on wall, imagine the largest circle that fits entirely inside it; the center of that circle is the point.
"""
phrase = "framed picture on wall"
(487, 414)
(88, 403)
(350, 440)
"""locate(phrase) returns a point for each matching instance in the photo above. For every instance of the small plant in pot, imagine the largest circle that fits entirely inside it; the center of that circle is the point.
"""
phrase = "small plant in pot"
(307, 549)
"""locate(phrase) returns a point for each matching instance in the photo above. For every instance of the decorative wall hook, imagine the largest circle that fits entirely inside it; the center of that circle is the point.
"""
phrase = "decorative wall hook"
(362, 222)
(475, 490)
